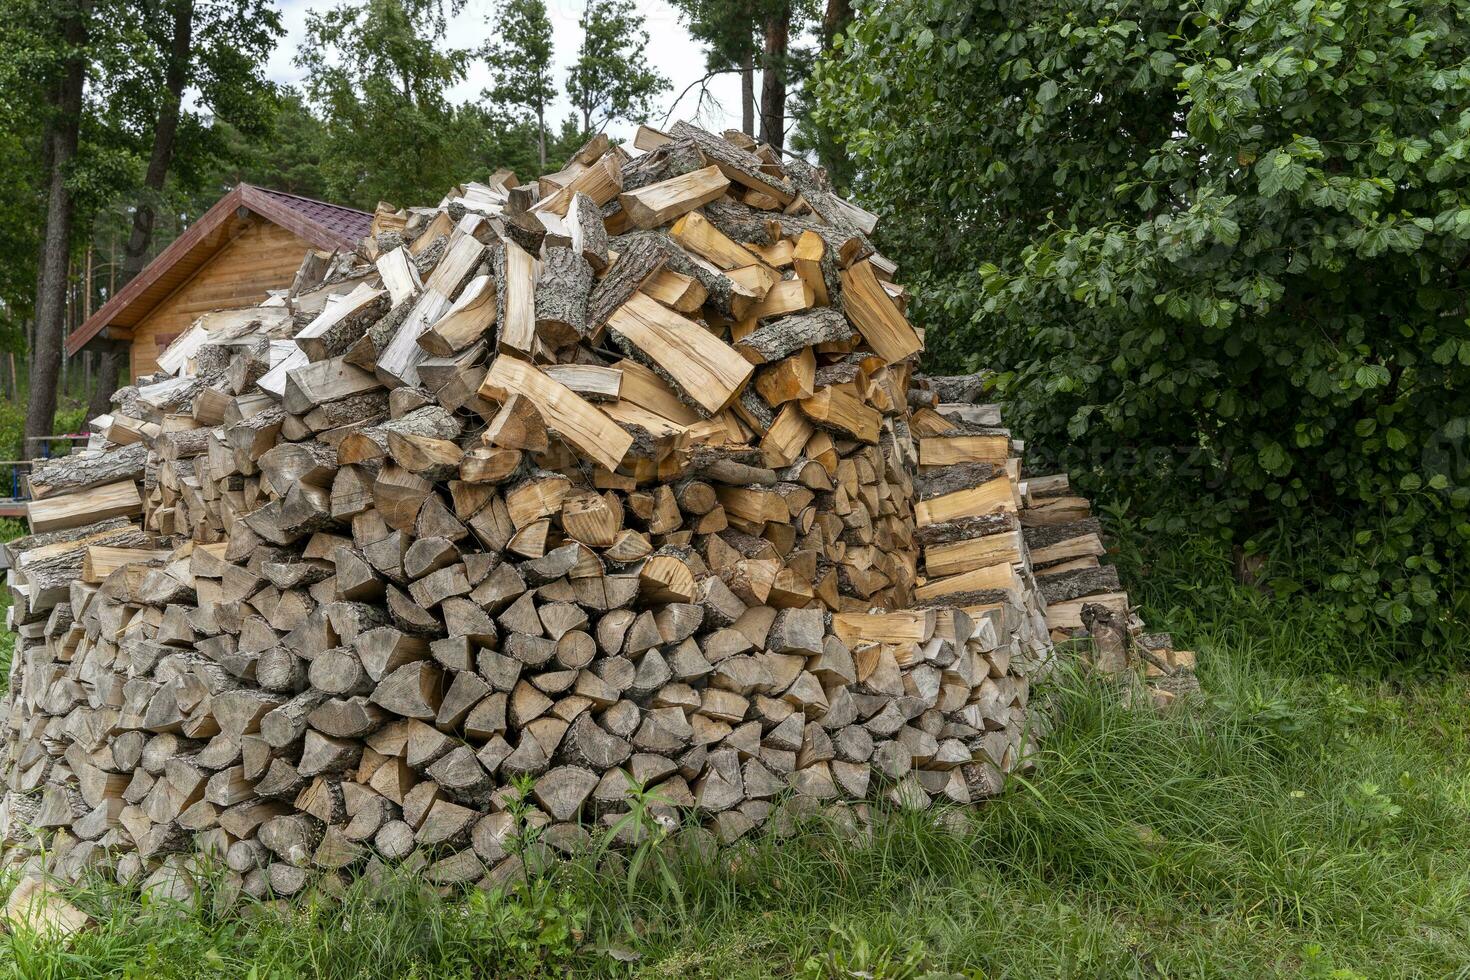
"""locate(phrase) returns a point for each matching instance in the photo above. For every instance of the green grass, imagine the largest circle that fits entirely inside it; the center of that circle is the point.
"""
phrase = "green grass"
(1307, 820)
(71, 416)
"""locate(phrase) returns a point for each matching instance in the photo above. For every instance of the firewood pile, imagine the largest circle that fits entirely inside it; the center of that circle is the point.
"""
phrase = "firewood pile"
(622, 478)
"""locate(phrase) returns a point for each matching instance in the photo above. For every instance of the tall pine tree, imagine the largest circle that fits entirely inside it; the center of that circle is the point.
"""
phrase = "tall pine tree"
(742, 35)
(727, 28)
(62, 33)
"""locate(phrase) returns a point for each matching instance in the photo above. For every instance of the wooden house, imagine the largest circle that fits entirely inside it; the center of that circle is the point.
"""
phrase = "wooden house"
(252, 241)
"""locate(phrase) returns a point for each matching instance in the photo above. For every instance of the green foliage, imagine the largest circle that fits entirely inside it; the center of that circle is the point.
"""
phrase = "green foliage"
(1220, 253)
(850, 956)
(534, 927)
(18, 233)
(71, 416)
(814, 133)
(71, 421)
(127, 54)
(519, 58)
(728, 31)
(377, 75)
(394, 41)
(286, 156)
(560, 145)
(230, 41)
(389, 926)
(650, 838)
(31, 55)
(1293, 630)
(611, 80)
(12, 436)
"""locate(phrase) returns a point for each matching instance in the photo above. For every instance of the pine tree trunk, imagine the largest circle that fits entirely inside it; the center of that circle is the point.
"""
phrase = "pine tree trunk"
(541, 136)
(165, 131)
(747, 94)
(836, 18)
(61, 137)
(109, 366)
(773, 77)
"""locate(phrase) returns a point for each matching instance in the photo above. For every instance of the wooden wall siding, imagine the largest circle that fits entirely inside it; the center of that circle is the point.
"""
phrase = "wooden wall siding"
(261, 258)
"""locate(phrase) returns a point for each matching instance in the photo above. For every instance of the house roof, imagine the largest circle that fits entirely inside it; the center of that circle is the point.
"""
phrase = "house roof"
(325, 226)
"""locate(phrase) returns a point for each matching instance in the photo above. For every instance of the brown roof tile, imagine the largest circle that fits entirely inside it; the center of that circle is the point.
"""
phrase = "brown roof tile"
(350, 223)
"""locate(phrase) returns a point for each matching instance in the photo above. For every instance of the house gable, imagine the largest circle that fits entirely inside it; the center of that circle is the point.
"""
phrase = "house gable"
(311, 223)
(262, 257)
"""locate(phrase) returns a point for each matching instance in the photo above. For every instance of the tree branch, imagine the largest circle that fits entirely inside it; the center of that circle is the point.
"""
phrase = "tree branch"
(703, 84)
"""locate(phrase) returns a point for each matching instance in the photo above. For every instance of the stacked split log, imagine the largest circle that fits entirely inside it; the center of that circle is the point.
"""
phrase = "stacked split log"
(1042, 533)
(619, 479)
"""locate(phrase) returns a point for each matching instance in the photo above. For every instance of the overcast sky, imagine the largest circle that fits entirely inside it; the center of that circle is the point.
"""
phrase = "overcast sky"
(671, 51)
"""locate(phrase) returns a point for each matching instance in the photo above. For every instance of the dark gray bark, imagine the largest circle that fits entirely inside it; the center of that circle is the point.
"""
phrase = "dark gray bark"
(965, 528)
(69, 474)
(1040, 537)
(778, 338)
(740, 221)
(59, 148)
(732, 160)
(561, 297)
(951, 479)
(638, 260)
(967, 388)
(747, 93)
(1084, 581)
(773, 77)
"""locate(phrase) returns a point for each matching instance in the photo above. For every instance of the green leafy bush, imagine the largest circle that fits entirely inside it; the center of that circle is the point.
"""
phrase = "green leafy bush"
(1221, 253)
(12, 429)
(69, 418)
